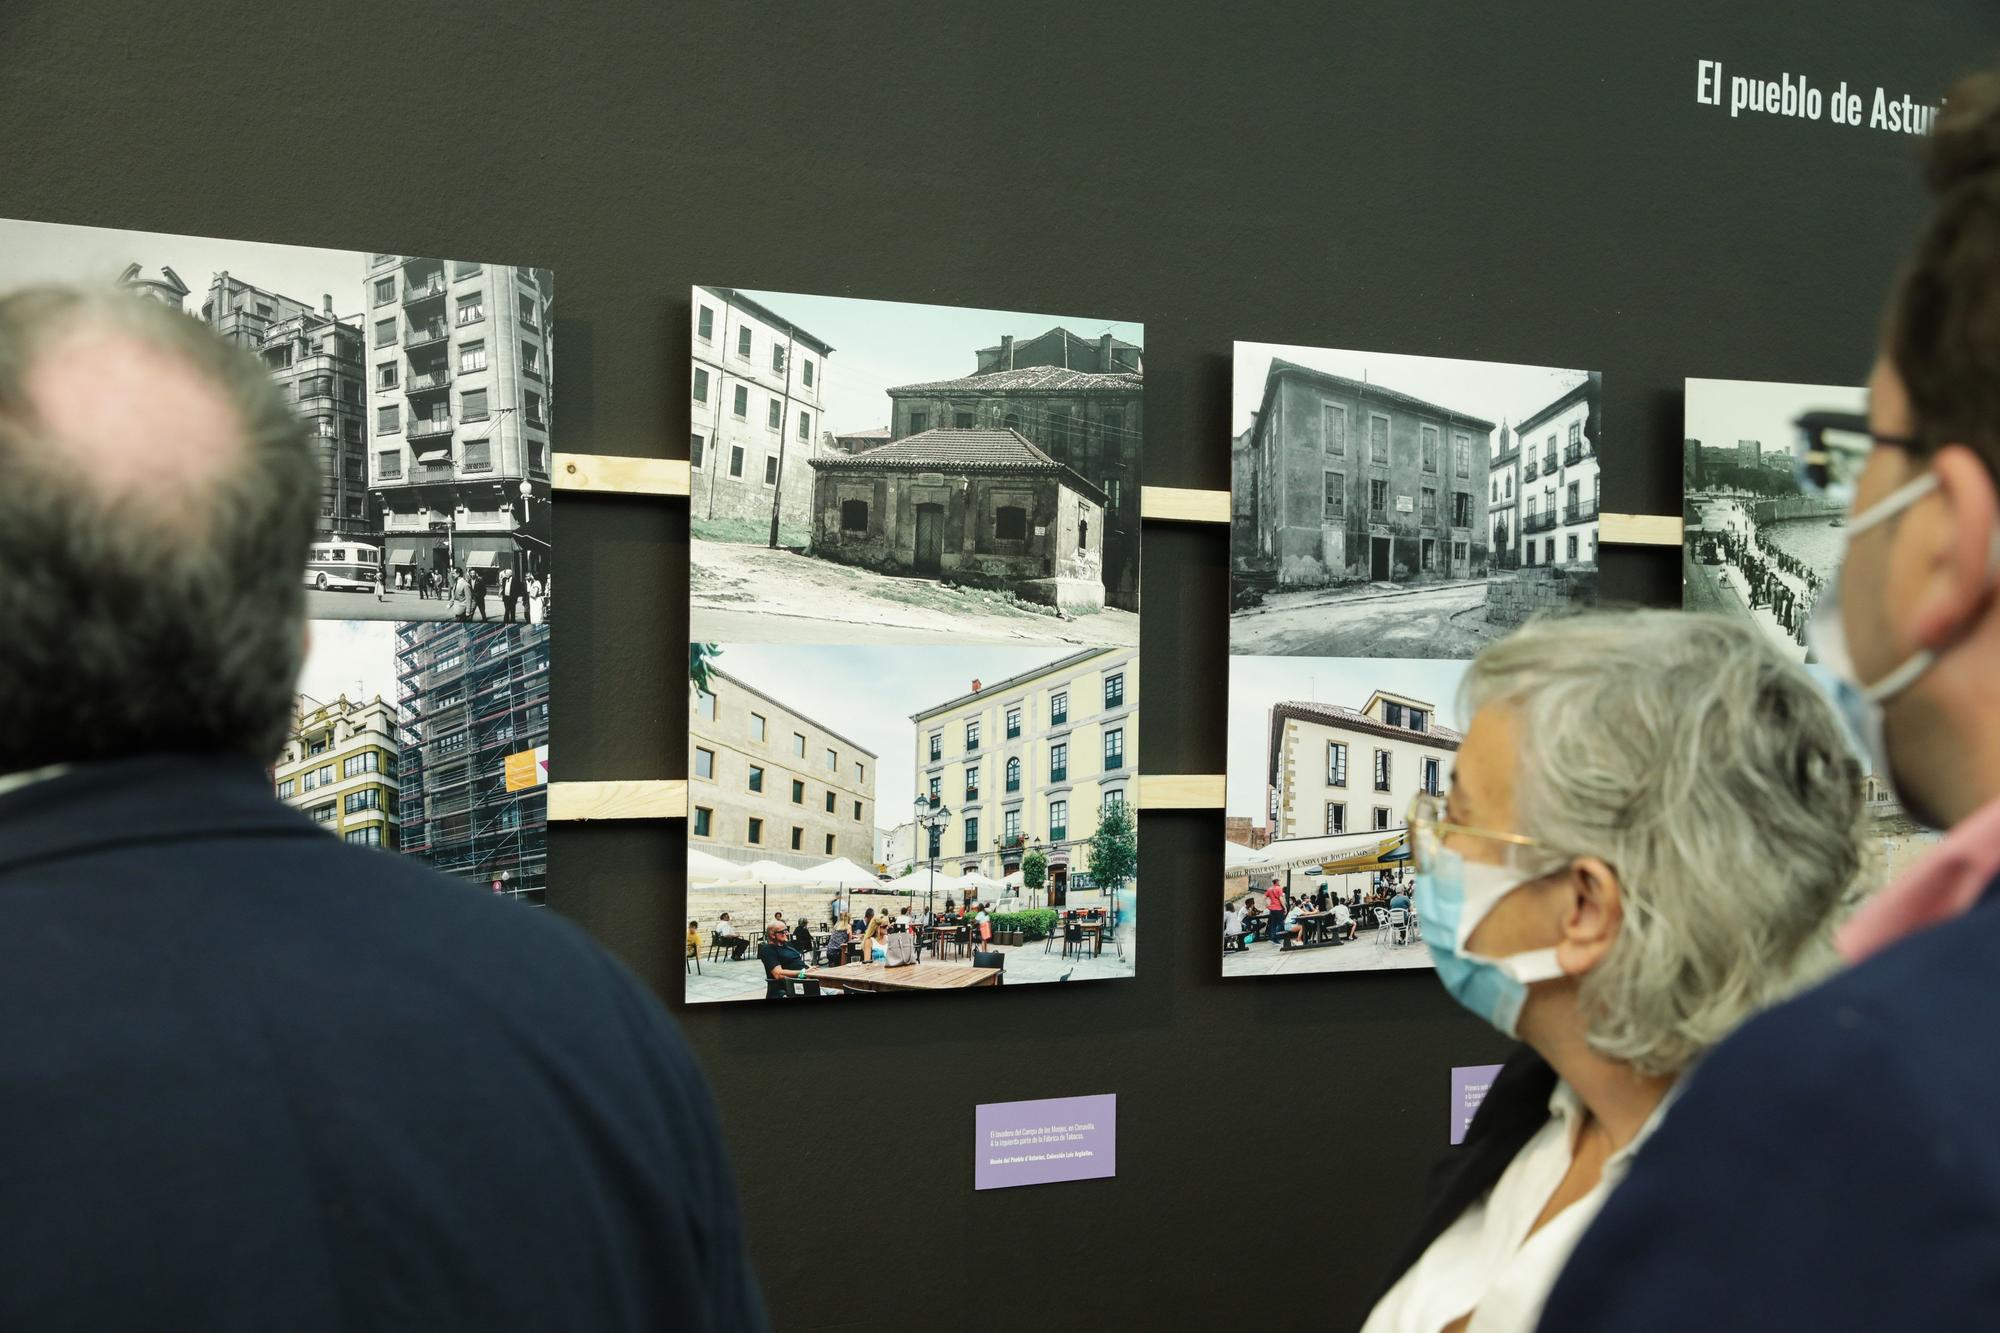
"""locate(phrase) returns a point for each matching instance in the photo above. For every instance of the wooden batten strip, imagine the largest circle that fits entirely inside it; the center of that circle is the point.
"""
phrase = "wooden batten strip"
(613, 474)
(632, 799)
(1170, 504)
(1181, 791)
(1638, 530)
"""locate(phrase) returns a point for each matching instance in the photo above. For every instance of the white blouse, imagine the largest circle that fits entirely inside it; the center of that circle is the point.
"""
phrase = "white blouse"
(1481, 1263)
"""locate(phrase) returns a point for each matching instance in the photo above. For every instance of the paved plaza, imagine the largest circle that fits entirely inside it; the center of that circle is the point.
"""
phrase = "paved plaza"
(1376, 620)
(1028, 965)
(1363, 955)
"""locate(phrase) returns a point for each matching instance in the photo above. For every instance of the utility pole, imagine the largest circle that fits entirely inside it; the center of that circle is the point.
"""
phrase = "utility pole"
(784, 430)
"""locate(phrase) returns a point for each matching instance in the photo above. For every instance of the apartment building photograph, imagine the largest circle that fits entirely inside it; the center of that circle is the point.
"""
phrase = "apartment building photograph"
(998, 504)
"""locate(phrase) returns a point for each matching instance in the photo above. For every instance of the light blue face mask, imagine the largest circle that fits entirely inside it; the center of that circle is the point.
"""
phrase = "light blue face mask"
(1456, 895)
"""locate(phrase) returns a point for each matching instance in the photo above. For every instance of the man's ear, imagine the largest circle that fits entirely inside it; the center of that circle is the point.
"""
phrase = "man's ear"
(1955, 557)
(1593, 913)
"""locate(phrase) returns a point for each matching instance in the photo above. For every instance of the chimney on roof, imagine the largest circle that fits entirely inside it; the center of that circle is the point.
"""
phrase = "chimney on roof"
(1104, 366)
(1006, 351)
(326, 302)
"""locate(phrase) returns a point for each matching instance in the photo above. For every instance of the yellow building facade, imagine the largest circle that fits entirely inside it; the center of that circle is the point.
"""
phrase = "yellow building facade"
(1030, 762)
(339, 767)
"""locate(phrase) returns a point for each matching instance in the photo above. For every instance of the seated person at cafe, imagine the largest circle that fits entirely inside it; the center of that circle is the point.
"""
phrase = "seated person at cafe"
(1344, 927)
(1232, 926)
(836, 943)
(1604, 882)
(781, 963)
(802, 938)
(694, 939)
(1294, 928)
(1399, 898)
(1254, 919)
(877, 941)
(725, 929)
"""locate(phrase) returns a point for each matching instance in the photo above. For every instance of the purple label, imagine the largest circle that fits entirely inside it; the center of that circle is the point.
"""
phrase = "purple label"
(1468, 1088)
(1033, 1143)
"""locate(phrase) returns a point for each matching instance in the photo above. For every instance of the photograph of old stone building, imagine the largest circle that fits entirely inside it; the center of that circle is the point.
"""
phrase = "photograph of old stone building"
(881, 472)
(1384, 506)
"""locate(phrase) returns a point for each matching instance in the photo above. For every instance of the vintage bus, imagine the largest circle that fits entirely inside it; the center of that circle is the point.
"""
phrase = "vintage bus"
(350, 566)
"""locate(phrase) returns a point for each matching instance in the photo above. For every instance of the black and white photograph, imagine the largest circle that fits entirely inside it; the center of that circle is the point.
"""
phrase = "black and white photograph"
(956, 818)
(427, 386)
(882, 472)
(1325, 757)
(1386, 505)
(1754, 543)
(429, 739)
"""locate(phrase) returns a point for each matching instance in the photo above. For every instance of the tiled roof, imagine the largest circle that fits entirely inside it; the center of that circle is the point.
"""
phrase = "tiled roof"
(1279, 366)
(1347, 719)
(952, 450)
(1032, 379)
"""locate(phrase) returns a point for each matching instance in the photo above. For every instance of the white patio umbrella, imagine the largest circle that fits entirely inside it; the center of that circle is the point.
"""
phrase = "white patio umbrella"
(707, 868)
(1235, 856)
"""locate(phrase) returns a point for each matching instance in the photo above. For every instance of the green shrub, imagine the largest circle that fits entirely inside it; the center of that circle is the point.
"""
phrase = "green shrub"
(1033, 925)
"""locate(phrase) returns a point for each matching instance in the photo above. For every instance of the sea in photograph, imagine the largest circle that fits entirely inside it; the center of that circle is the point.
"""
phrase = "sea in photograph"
(1817, 541)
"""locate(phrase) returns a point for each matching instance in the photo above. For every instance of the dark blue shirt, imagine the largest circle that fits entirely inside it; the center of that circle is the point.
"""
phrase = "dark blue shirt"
(255, 1078)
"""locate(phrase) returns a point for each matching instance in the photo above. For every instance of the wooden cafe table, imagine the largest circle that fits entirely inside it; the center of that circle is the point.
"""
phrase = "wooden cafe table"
(917, 976)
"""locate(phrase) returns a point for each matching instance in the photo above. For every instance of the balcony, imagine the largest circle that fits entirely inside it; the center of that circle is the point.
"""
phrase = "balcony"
(1058, 832)
(972, 746)
(1013, 733)
(1530, 470)
(1059, 718)
(431, 472)
(1581, 511)
(1013, 842)
(1575, 453)
(1013, 785)
(424, 335)
(1541, 522)
(425, 428)
(416, 293)
(429, 382)
(1112, 761)
(971, 794)
(1059, 774)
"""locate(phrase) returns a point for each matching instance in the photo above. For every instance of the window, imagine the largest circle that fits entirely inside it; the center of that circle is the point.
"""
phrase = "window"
(1012, 421)
(1013, 723)
(1059, 761)
(805, 425)
(472, 405)
(756, 833)
(1417, 719)
(971, 833)
(704, 763)
(1058, 820)
(700, 385)
(1381, 818)
(937, 791)
(1429, 437)
(1378, 496)
(1010, 523)
(531, 360)
(735, 460)
(385, 332)
(972, 782)
(386, 375)
(478, 456)
(1378, 438)
(1392, 714)
(1114, 690)
(1010, 828)
(527, 308)
(704, 323)
(777, 358)
(1058, 708)
(366, 837)
(471, 308)
(1431, 775)
(1549, 551)
(356, 765)
(1013, 775)
(854, 516)
(1114, 494)
(860, 771)
(742, 405)
(962, 420)
(324, 814)
(1059, 433)
(1571, 540)
(829, 844)
(776, 416)
(937, 746)
(798, 838)
(798, 746)
(1336, 817)
(1334, 501)
(1461, 509)
(829, 802)
(1336, 763)
(369, 798)
(1461, 455)
(919, 422)
(806, 369)
(743, 342)
(798, 792)
(1381, 770)
(388, 418)
(1114, 748)
(1334, 432)
(756, 777)
(704, 821)
(1113, 800)
(757, 726)
(287, 789)
(695, 444)
(857, 809)
(471, 358)
(385, 290)
(971, 736)
(704, 704)
(389, 465)
(1430, 504)
(771, 470)
(833, 761)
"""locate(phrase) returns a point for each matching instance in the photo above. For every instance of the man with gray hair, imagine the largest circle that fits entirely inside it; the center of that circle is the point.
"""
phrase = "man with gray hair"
(255, 1077)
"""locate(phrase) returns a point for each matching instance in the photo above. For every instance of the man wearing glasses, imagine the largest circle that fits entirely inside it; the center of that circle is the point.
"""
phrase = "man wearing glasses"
(1836, 1164)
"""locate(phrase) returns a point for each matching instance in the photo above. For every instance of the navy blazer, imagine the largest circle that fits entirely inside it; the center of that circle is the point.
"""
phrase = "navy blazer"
(1834, 1165)
(255, 1078)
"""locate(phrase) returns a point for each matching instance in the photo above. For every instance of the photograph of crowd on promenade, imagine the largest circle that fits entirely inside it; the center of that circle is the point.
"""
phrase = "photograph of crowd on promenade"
(881, 472)
(1406, 506)
(1755, 544)
(430, 739)
(875, 819)
(426, 385)
(1325, 757)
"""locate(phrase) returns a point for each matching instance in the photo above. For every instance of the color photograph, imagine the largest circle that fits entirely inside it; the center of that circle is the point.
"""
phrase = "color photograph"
(1406, 506)
(1325, 757)
(952, 819)
(882, 472)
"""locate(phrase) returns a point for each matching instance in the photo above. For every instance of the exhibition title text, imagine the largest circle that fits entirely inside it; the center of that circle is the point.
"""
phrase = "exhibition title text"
(1796, 96)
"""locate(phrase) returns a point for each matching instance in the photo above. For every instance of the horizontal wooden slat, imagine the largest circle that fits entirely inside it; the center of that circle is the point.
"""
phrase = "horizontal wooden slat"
(1638, 530)
(1181, 791)
(611, 473)
(634, 799)
(1172, 505)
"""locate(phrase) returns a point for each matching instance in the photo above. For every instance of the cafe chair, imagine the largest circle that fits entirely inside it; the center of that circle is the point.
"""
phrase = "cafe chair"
(1066, 976)
(693, 958)
(995, 960)
(715, 946)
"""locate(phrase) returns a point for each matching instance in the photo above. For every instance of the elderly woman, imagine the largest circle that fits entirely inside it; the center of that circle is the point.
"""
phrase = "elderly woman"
(1651, 821)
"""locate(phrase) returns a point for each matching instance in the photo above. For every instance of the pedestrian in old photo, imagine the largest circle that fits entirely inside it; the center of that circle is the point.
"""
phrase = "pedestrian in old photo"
(535, 594)
(478, 579)
(461, 597)
(510, 592)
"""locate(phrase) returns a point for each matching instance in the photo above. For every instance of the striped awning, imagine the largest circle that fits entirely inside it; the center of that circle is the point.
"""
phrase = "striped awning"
(402, 555)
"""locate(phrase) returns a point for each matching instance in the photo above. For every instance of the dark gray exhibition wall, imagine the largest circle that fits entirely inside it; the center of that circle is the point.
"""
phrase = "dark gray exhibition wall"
(1525, 183)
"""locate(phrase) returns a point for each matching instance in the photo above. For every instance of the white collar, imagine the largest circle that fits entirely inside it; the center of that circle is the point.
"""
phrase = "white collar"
(1568, 1108)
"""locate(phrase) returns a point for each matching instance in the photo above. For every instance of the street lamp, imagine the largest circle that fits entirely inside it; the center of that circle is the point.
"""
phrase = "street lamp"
(931, 817)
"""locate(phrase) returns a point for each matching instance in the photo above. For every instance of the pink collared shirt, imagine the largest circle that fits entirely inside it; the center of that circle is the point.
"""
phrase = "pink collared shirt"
(1944, 884)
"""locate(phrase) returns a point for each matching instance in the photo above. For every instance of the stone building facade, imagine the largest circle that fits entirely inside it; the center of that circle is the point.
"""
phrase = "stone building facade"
(1080, 401)
(756, 396)
(1338, 770)
(1503, 507)
(975, 506)
(1355, 481)
(1559, 480)
(766, 782)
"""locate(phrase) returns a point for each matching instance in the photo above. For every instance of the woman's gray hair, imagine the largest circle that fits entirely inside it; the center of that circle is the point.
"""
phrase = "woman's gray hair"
(1689, 753)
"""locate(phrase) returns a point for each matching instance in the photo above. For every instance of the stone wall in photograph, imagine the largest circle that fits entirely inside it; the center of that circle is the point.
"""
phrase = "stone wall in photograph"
(1532, 592)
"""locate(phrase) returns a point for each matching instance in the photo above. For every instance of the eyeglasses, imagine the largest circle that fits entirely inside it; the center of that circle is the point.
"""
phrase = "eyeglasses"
(1831, 449)
(1428, 828)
